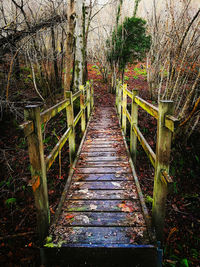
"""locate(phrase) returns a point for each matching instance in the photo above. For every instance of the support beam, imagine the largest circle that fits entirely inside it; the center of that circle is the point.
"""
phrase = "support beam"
(163, 149)
(88, 99)
(70, 123)
(124, 105)
(38, 171)
(82, 107)
(134, 122)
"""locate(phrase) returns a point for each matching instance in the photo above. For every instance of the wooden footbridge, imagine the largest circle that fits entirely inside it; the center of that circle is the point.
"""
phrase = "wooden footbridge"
(102, 219)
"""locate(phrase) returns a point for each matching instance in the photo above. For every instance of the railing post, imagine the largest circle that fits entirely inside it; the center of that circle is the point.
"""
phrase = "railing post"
(82, 106)
(124, 105)
(88, 99)
(119, 108)
(38, 171)
(70, 123)
(163, 148)
(134, 122)
(117, 95)
(91, 94)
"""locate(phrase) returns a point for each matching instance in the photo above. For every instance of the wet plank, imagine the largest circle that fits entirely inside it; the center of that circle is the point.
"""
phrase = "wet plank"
(103, 170)
(103, 159)
(103, 185)
(102, 235)
(103, 194)
(102, 205)
(102, 219)
(104, 177)
(101, 154)
(110, 163)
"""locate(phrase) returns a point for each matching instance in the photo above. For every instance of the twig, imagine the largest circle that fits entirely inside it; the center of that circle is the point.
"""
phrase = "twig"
(16, 235)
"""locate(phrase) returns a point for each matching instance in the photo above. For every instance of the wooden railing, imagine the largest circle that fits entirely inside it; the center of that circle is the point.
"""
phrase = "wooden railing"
(161, 159)
(41, 164)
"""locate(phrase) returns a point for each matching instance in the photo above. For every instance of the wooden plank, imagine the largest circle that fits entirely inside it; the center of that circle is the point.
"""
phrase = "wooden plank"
(103, 194)
(151, 155)
(103, 170)
(89, 164)
(102, 219)
(102, 235)
(102, 145)
(152, 110)
(102, 149)
(129, 93)
(128, 115)
(76, 95)
(101, 154)
(171, 122)
(51, 112)
(54, 153)
(101, 205)
(102, 185)
(78, 116)
(104, 159)
(103, 177)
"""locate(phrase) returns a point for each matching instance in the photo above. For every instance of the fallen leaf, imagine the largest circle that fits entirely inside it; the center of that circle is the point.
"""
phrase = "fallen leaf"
(125, 208)
(52, 211)
(93, 207)
(69, 216)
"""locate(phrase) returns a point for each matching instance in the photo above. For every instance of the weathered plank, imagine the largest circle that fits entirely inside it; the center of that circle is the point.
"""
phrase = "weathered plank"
(103, 177)
(103, 159)
(102, 164)
(103, 194)
(102, 205)
(102, 235)
(102, 219)
(103, 170)
(99, 185)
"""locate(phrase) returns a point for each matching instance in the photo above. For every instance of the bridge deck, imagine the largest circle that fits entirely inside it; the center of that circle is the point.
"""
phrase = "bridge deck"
(102, 206)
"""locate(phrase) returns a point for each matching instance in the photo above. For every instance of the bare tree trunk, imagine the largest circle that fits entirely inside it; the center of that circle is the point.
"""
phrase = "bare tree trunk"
(69, 45)
(55, 63)
(79, 46)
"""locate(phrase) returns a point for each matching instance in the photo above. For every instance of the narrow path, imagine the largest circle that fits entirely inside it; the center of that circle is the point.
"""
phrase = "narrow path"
(102, 206)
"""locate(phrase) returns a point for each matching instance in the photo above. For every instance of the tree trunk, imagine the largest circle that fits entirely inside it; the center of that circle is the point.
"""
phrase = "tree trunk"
(79, 46)
(69, 46)
(55, 63)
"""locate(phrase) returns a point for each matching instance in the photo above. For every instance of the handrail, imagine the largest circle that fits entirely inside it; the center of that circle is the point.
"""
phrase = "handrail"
(54, 153)
(166, 125)
(151, 155)
(41, 164)
(152, 110)
(53, 111)
(78, 116)
(76, 95)
(170, 121)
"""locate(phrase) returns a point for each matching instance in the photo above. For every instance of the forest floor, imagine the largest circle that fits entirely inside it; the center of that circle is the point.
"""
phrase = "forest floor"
(18, 239)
